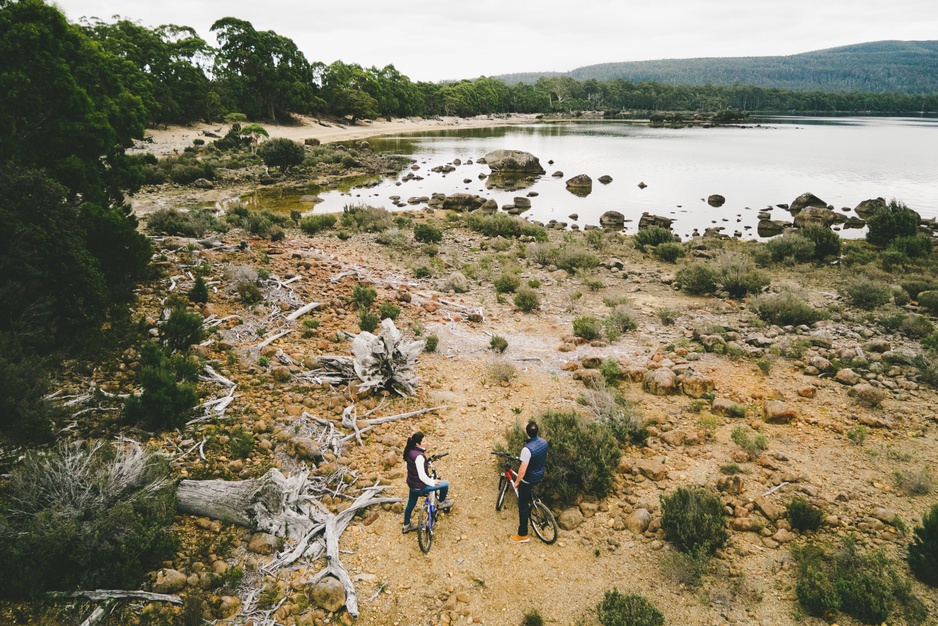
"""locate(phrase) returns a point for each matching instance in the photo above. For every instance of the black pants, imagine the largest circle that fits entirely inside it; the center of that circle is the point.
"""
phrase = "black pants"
(524, 507)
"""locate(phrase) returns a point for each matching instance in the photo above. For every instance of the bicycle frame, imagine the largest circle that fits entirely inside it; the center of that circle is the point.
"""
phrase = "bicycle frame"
(541, 519)
(425, 530)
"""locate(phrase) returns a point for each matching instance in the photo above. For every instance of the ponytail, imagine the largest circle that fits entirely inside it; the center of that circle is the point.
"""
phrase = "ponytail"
(412, 442)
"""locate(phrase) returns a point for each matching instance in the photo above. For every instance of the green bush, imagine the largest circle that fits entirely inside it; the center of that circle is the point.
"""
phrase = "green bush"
(422, 272)
(790, 248)
(914, 247)
(923, 550)
(738, 276)
(199, 292)
(527, 300)
(181, 330)
(617, 609)
(364, 296)
(90, 516)
(496, 225)
(668, 252)
(803, 515)
(281, 153)
(241, 443)
(929, 300)
(864, 586)
(866, 293)
(753, 446)
(389, 310)
(498, 343)
(611, 371)
(165, 402)
(623, 419)
(916, 326)
(785, 308)
(507, 283)
(191, 223)
(532, 618)
(25, 411)
(582, 458)
(891, 222)
(427, 233)
(697, 278)
(620, 320)
(587, 327)
(930, 342)
(366, 219)
(826, 242)
(915, 287)
(693, 520)
(652, 236)
(249, 293)
(313, 224)
(368, 321)
(431, 344)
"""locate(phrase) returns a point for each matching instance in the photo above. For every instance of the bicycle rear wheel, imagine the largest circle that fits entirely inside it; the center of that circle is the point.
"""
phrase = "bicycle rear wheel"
(543, 522)
(502, 490)
(424, 530)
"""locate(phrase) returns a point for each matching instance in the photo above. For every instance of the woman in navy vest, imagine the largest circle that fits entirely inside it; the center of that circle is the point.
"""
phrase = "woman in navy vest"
(418, 481)
(533, 459)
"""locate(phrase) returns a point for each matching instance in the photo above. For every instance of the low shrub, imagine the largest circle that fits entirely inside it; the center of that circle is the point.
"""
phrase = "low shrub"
(617, 609)
(85, 516)
(364, 296)
(667, 316)
(501, 372)
(915, 287)
(623, 419)
(697, 278)
(507, 283)
(241, 443)
(866, 293)
(693, 520)
(504, 225)
(919, 482)
(314, 224)
(281, 153)
(199, 292)
(916, 326)
(923, 550)
(785, 308)
(583, 456)
(652, 236)
(685, 569)
(621, 318)
(182, 329)
(389, 310)
(891, 222)
(791, 248)
(668, 252)
(864, 586)
(857, 435)
(498, 343)
(929, 300)
(191, 223)
(527, 300)
(803, 515)
(368, 321)
(738, 276)
(431, 343)
(826, 242)
(914, 247)
(366, 219)
(26, 414)
(532, 618)
(422, 272)
(611, 371)
(751, 445)
(427, 233)
(168, 394)
(249, 293)
(587, 327)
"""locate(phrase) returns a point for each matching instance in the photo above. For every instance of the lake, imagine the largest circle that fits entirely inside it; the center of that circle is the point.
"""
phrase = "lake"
(772, 161)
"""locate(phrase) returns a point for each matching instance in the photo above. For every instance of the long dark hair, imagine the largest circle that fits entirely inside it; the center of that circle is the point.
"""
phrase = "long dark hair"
(412, 442)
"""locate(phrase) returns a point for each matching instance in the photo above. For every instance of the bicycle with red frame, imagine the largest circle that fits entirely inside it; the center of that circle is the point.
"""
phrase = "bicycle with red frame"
(542, 520)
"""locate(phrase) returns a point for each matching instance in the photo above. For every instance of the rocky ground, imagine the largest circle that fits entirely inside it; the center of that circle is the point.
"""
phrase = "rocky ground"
(695, 380)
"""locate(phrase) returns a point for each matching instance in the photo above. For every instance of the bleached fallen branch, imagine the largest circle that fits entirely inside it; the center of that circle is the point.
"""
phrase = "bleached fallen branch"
(384, 420)
(99, 595)
(273, 338)
(303, 310)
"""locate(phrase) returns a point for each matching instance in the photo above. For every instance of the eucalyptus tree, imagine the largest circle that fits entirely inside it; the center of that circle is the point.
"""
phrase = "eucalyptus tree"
(261, 73)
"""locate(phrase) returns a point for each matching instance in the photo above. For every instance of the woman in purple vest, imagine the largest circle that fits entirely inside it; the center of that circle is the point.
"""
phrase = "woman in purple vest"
(418, 481)
(533, 460)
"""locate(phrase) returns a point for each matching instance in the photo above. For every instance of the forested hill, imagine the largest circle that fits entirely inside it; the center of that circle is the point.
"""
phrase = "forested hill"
(876, 67)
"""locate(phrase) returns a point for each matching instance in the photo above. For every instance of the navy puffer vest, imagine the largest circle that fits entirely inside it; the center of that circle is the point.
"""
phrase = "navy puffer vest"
(535, 471)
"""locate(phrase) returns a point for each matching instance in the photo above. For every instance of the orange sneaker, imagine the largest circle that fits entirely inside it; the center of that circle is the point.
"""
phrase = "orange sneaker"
(520, 538)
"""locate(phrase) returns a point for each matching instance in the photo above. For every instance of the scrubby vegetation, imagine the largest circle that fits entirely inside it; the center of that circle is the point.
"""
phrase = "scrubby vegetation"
(923, 550)
(694, 520)
(617, 609)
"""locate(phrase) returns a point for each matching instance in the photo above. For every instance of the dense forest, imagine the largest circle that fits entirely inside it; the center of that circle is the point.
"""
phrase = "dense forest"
(876, 67)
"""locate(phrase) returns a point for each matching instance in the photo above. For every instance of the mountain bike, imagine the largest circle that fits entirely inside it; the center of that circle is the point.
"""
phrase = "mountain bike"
(428, 513)
(542, 520)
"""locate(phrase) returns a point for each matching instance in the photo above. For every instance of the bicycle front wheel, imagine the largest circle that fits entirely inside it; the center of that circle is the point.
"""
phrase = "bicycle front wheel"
(424, 530)
(502, 490)
(543, 522)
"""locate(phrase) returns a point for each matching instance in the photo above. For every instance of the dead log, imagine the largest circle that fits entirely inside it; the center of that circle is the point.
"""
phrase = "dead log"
(99, 595)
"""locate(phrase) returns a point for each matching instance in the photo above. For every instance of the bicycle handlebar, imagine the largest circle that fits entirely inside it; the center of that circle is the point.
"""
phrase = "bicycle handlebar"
(506, 456)
(436, 457)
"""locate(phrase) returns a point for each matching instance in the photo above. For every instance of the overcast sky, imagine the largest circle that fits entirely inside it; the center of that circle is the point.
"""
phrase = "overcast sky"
(452, 40)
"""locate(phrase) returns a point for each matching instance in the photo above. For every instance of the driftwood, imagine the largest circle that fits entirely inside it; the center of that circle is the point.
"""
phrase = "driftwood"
(383, 361)
(286, 507)
(100, 595)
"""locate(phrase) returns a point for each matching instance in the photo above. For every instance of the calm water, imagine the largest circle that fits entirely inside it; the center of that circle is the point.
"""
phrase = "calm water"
(841, 160)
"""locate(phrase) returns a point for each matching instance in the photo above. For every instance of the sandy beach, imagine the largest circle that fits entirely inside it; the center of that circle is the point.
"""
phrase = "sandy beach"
(166, 141)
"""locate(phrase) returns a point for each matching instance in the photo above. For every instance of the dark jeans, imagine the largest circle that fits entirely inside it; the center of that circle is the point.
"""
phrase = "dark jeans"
(443, 488)
(525, 496)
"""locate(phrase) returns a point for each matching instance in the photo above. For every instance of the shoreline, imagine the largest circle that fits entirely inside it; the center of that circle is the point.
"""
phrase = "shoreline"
(174, 139)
